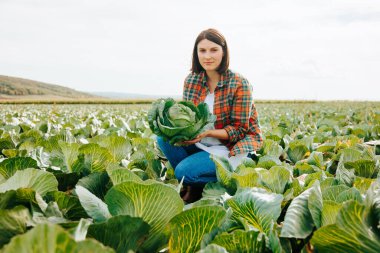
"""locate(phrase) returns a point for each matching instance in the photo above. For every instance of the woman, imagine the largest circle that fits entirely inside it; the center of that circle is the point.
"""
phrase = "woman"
(229, 97)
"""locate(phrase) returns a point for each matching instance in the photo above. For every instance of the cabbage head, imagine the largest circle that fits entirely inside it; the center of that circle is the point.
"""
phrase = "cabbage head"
(178, 121)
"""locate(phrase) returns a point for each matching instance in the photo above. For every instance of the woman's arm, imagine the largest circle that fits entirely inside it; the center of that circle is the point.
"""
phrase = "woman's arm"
(220, 134)
(240, 112)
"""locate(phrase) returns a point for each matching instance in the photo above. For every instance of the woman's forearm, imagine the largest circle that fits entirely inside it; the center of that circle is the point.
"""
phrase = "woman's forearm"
(220, 134)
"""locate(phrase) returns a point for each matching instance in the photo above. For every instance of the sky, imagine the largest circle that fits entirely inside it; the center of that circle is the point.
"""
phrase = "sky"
(289, 49)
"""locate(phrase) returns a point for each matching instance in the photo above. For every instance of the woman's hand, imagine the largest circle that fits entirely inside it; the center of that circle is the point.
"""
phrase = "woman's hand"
(220, 134)
(198, 138)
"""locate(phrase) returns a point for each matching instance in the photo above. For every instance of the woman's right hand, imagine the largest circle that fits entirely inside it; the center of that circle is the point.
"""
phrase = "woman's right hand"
(198, 138)
(189, 142)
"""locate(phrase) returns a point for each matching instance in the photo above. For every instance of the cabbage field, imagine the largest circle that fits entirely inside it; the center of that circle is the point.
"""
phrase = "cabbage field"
(89, 178)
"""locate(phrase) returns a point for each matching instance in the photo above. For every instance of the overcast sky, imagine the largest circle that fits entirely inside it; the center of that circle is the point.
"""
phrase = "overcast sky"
(298, 49)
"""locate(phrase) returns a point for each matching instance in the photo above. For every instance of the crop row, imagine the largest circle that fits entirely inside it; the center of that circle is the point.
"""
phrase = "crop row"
(77, 178)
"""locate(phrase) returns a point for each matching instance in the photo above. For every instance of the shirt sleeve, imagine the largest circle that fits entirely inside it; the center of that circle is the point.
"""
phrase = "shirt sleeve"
(184, 93)
(186, 88)
(240, 112)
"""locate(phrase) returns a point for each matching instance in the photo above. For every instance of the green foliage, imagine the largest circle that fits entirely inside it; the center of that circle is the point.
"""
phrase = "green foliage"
(70, 206)
(241, 241)
(96, 171)
(48, 238)
(94, 206)
(258, 207)
(13, 222)
(180, 121)
(352, 232)
(298, 222)
(193, 225)
(131, 233)
(155, 203)
(40, 181)
(8, 167)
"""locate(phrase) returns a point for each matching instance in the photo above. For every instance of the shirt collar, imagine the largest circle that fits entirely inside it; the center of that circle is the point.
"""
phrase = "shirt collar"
(224, 78)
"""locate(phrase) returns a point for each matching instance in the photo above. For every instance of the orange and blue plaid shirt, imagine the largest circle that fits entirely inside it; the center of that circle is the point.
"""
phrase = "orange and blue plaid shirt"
(233, 107)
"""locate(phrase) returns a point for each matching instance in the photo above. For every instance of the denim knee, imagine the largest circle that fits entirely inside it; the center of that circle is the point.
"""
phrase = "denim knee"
(160, 141)
(180, 172)
(197, 169)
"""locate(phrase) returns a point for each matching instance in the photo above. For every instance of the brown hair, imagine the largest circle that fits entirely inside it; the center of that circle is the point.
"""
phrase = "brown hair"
(216, 37)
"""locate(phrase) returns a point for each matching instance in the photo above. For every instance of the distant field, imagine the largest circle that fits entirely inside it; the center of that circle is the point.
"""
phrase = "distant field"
(60, 100)
(41, 100)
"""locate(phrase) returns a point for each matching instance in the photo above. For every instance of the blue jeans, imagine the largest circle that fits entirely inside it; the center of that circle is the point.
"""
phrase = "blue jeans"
(190, 162)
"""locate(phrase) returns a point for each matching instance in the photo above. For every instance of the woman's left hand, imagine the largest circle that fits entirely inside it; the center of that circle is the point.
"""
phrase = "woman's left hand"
(198, 138)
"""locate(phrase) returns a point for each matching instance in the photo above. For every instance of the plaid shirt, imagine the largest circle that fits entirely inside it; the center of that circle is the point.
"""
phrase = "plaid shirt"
(233, 106)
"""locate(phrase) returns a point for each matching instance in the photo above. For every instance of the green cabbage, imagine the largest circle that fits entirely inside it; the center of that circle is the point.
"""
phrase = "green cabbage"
(177, 122)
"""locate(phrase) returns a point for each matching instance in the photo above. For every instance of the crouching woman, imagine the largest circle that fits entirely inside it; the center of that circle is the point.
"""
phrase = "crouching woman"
(236, 132)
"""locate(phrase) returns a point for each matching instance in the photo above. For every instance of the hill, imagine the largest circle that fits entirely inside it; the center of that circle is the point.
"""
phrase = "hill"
(19, 88)
(121, 95)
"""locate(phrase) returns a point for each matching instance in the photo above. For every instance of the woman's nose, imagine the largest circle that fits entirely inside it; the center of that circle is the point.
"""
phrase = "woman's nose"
(207, 55)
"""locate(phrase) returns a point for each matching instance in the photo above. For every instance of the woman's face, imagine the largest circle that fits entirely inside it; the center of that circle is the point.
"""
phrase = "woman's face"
(210, 54)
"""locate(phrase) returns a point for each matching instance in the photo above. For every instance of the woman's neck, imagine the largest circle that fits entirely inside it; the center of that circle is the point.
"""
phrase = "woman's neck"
(213, 79)
(213, 76)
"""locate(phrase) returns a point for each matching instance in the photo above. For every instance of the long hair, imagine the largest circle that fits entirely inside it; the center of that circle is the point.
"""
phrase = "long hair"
(216, 37)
